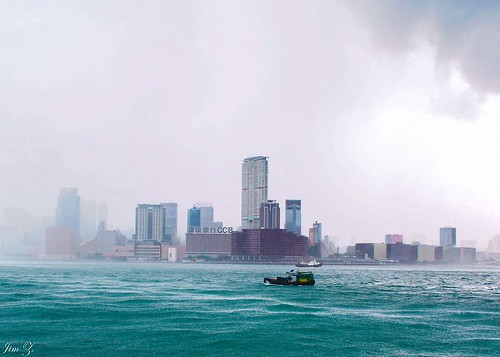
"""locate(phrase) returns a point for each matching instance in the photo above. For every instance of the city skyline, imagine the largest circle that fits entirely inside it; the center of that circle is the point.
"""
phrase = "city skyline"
(380, 116)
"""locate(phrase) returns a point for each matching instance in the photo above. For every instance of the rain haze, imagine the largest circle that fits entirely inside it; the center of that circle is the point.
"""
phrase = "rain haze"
(381, 116)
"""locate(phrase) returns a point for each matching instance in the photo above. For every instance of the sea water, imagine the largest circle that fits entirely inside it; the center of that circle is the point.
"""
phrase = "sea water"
(162, 309)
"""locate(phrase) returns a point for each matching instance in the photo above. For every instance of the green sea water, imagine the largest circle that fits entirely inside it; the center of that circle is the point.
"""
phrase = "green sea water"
(160, 309)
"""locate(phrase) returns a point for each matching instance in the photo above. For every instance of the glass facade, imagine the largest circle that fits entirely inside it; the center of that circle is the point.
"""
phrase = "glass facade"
(293, 219)
(193, 218)
(170, 222)
(68, 211)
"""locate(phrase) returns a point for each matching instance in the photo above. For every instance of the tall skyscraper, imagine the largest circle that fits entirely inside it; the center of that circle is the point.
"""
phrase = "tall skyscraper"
(254, 190)
(269, 216)
(447, 237)
(317, 228)
(317, 232)
(170, 222)
(149, 222)
(293, 216)
(68, 211)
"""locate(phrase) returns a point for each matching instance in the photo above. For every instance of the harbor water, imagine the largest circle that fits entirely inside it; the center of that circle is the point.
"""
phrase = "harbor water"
(162, 309)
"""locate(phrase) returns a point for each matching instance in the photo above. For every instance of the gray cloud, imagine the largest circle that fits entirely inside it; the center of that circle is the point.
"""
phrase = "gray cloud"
(463, 34)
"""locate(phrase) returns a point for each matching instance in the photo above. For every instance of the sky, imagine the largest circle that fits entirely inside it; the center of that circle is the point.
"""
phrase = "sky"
(381, 116)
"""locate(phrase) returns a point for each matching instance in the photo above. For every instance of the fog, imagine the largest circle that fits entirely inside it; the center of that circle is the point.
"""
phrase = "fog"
(381, 116)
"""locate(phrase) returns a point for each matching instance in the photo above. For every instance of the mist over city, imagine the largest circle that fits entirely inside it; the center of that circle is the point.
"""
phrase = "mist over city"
(381, 117)
(249, 178)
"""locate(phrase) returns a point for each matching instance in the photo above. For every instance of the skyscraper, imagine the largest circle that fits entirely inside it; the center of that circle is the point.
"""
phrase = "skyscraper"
(170, 222)
(317, 227)
(201, 215)
(269, 216)
(68, 211)
(149, 222)
(254, 190)
(447, 237)
(92, 213)
(293, 216)
(193, 218)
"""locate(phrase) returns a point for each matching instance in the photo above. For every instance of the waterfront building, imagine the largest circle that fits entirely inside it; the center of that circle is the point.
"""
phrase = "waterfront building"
(149, 222)
(293, 216)
(254, 190)
(148, 250)
(60, 243)
(269, 216)
(393, 238)
(209, 244)
(459, 255)
(493, 248)
(169, 253)
(448, 237)
(374, 251)
(68, 211)
(270, 244)
(402, 252)
(426, 253)
(170, 222)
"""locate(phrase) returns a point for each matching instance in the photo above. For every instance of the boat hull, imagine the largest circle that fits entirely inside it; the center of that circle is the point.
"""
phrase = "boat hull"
(316, 265)
(284, 281)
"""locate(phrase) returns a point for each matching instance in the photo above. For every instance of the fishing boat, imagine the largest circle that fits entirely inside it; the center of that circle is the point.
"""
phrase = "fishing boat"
(312, 264)
(292, 278)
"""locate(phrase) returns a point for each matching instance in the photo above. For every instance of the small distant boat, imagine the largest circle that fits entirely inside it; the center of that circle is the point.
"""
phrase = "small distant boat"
(291, 278)
(312, 264)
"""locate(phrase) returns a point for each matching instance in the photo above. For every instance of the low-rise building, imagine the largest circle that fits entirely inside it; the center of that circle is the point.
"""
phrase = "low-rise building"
(273, 244)
(209, 244)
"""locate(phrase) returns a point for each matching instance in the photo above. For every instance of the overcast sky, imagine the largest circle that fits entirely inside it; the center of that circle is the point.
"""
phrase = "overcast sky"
(381, 116)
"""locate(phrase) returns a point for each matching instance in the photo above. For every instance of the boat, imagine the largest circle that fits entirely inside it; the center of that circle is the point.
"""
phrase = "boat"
(291, 278)
(312, 264)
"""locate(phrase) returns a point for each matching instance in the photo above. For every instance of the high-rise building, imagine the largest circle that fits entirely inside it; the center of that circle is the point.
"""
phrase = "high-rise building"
(201, 215)
(88, 219)
(206, 214)
(102, 213)
(269, 216)
(447, 237)
(293, 216)
(317, 227)
(149, 222)
(193, 218)
(92, 213)
(317, 232)
(254, 190)
(170, 222)
(68, 211)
